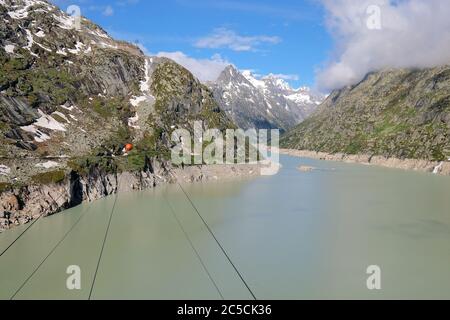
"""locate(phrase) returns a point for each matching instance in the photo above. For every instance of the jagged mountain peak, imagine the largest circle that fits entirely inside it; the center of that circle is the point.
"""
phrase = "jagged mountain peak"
(274, 81)
(262, 102)
(231, 69)
(230, 74)
(259, 84)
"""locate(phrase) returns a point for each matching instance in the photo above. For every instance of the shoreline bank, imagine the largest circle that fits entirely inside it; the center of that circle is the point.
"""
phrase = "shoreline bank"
(439, 168)
(24, 205)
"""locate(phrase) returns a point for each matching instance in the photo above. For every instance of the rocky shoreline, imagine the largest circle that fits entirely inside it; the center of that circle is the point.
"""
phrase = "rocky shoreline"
(23, 205)
(441, 168)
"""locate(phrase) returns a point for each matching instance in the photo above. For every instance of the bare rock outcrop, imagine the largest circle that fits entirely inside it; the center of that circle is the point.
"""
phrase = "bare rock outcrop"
(22, 205)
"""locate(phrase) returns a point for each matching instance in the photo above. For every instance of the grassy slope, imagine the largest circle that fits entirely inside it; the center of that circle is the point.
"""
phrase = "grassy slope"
(395, 113)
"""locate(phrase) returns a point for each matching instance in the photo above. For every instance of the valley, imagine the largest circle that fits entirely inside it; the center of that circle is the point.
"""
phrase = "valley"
(130, 172)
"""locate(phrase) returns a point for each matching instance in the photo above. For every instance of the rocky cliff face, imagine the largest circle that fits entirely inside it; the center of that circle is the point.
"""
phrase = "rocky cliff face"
(31, 202)
(264, 104)
(71, 98)
(393, 113)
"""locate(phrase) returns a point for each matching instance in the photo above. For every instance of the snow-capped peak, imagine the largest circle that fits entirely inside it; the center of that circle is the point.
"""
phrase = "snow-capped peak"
(273, 80)
(303, 89)
(263, 101)
(259, 84)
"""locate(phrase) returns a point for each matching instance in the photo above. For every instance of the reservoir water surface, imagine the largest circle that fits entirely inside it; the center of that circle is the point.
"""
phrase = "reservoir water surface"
(295, 235)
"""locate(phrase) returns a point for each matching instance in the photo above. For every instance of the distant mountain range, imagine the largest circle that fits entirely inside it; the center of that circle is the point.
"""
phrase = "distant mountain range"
(267, 103)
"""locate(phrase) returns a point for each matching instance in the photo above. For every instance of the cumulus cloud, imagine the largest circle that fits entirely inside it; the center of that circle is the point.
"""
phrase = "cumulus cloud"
(401, 34)
(225, 38)
(203, 69)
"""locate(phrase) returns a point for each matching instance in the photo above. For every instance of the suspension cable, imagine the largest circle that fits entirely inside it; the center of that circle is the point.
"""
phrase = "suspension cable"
(104, 239)
(193, 248)
(216, 240)
(50, 253)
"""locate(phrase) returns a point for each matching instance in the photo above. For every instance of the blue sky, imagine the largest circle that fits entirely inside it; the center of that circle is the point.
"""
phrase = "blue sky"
(282, 37)
(325, 44)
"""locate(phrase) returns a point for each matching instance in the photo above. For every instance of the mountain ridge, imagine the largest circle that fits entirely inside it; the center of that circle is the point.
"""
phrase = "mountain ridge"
(265, 103)
(401, 113)
(71, 99)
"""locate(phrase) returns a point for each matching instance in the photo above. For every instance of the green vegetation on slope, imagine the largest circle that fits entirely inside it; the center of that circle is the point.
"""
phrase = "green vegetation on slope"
(395, 113)
(181, 99)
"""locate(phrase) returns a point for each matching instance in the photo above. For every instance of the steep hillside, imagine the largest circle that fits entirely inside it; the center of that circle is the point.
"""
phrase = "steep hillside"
(70, 99)
(393, 113)
(264, 104)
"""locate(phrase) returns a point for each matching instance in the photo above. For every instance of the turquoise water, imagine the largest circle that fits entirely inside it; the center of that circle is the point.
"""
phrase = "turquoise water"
(291, 236)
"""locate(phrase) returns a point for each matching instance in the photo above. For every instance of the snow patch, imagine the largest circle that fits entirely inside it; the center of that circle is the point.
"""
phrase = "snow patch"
(438, 168)
(144, 87)
(65, 21)
(145, 83)
(9, 48)
(4, 170)
(45, 48)
(99, 33)
(30, 40)
(45, 121)
(107, 45)
(255, 82)
(62, 52)
(39, 136)
(71, 108)
(135, 101)
(132, 122)
(19, 14)
(277, 82)
(78, 47)
(22, 11)
(40, 34)
(48, 164)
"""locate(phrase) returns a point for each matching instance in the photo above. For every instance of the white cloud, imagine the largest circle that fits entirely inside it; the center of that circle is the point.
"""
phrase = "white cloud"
(108, 11)
(287, 77)
(203, 69)
(225, 38)
(414, 33)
